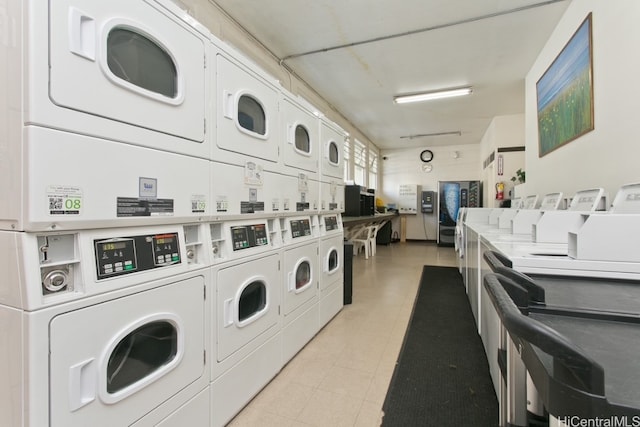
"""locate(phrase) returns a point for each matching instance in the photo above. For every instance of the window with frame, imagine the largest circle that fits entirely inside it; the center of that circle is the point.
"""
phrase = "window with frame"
(347, 159)
(373, 168)
(359, 163)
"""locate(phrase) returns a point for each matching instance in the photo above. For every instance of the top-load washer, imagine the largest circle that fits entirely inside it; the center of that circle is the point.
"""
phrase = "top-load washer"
(110, 103)
(246, 111)
(101, 327)
(299, 282)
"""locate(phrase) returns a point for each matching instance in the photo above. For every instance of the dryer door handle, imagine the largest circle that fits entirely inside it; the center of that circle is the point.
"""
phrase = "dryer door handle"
(292, 285)
(228, 313)
(82, 384)
(82, 34)
(228, 106)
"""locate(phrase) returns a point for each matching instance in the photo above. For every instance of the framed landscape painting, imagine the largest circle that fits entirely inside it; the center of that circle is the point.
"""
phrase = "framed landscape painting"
(565, 93)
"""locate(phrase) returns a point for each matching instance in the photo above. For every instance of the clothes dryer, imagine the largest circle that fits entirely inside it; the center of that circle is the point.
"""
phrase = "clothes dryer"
(246, 111)
(102, 327)
(331, 266)
(246, 321)
(301, 136)
(300, 283)
(106, 116)
(132, 72)
(332, 139)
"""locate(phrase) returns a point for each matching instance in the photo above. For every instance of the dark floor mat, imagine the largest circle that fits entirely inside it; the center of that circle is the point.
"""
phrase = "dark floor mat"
(442, 375)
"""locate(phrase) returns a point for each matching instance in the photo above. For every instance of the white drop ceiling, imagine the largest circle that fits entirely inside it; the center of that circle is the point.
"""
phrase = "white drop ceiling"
(358, 54)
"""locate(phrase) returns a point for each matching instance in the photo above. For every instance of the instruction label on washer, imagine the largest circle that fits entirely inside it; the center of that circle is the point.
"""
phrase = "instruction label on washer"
(64, 200)
(131, 206)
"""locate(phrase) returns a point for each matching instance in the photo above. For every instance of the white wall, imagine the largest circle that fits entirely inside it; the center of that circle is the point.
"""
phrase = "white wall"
(403, 166)
(504, 131)
(607, 156)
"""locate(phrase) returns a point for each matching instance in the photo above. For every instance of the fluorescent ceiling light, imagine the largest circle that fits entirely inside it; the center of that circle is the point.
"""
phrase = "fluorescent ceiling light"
(421, 135)
(428, 96)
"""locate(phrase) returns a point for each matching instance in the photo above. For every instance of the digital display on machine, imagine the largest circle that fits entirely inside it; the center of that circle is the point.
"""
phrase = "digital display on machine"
(113, 246)
(300, 228)
(249, 236)
(330, 223)
(123, 255)
(165, 249)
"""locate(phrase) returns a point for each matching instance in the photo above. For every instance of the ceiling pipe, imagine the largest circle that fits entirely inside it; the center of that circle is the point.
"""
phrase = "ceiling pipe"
(421, 30)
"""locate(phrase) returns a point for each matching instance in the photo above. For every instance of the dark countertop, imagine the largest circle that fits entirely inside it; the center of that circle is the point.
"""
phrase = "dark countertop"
(622, 296)
(615, 345)
(348, 221)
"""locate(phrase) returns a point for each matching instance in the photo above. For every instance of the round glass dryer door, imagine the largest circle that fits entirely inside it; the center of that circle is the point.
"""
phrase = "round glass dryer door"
(333, 261)
(251, 115)
(252, 301)
(303, 143)
(303, 275)
(334, 153)
(140, 353)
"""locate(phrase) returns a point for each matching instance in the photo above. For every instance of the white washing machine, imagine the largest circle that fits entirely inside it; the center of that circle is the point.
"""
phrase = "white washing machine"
(299, 283)
(331, 266)
(246, 111)
(332, 139)
(301, 142)
(100, 117)
(246, 320)
(102, 327)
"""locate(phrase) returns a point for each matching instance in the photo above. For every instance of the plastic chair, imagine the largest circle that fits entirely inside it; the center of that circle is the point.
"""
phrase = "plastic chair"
(362, 240)
(372, 237)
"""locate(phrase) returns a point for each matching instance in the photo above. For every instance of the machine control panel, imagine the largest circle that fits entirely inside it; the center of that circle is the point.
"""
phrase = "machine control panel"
(123, 255)
(300, 228)
(330, 223)
(249, 236)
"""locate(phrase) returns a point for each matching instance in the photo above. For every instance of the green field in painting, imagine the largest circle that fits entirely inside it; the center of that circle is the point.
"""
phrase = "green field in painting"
(567, 116)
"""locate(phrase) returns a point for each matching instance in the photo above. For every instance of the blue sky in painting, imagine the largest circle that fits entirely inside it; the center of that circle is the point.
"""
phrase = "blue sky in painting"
(570, 63)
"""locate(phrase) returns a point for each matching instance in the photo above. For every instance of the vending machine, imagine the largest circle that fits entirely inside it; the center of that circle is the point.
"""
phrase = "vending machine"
(454, 195)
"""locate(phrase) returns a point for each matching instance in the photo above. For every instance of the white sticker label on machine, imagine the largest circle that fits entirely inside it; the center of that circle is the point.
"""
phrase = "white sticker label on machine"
(64, 200)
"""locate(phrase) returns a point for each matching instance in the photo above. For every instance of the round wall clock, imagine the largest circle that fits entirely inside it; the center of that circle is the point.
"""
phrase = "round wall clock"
(426, 156)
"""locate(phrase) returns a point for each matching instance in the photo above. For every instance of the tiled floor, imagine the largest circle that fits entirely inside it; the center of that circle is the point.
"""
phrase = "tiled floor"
(341, 377)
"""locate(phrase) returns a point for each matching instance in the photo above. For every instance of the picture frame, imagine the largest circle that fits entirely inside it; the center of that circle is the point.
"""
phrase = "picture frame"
(565, 93)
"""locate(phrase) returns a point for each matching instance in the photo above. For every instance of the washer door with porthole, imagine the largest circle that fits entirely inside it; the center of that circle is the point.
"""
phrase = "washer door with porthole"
(105, 62)
(247, 109)
(120, 359)
(247, 303)
(333, 261)
(302, 277)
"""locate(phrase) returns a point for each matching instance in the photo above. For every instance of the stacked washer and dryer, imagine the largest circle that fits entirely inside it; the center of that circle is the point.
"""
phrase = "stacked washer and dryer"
(103, 315)
(171, 229)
